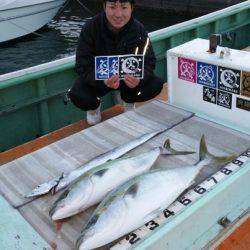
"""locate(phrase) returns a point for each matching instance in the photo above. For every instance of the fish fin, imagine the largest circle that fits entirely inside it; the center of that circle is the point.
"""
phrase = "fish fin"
(100, 173)
(203, 152)
(132, 190)
(168, 150)
(150, 216)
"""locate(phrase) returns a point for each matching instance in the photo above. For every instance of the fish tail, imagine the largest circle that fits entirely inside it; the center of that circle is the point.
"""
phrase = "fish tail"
(205, 154)
(208, 164)
(168, 150)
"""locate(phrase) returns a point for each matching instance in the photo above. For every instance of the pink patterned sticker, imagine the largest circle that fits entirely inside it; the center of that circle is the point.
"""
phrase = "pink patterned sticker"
(187, 69)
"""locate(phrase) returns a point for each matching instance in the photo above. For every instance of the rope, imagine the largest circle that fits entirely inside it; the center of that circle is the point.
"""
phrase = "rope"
(85, 7)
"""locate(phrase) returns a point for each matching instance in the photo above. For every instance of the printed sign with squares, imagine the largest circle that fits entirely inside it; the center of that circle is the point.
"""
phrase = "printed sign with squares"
(243, 104)
(209, 95)
(229, 80)
(187, 69)
(245, 84)
(207, 74)
(224, 99)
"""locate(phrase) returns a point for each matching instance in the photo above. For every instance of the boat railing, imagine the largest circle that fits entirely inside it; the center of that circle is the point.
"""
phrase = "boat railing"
(31, 99)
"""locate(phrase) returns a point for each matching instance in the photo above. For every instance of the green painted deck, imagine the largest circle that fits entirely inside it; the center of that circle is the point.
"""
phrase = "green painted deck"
(16, 233)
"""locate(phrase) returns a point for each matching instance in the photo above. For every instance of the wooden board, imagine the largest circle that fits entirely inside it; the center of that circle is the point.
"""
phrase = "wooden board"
(185, 132)
(20, 176)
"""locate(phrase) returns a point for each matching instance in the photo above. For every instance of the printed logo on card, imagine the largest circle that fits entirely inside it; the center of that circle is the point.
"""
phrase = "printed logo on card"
(113, 65)
(224, 99)
(187, 69)
(107, 66)
(229, 80)
(243, 104)
(245, 84)
(207, 74)
(131, 65)
(209, 95)
(101, 67)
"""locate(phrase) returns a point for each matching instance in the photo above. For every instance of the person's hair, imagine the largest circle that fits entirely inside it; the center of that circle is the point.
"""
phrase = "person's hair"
(122, 1)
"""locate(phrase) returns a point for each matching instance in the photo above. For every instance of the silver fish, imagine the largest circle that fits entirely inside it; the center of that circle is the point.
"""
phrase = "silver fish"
(140, 200)
(92, 187)
(64, 180)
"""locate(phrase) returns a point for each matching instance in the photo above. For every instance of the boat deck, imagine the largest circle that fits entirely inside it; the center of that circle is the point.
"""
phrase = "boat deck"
(48, 157)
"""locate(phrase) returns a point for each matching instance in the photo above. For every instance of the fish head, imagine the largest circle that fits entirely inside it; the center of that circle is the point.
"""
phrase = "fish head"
(92, 234)
(73, 200)
(60, 211)
(103, 227)
(87, 239)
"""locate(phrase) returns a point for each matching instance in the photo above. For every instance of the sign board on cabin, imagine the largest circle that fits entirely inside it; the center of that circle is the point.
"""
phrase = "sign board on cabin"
(214, 86)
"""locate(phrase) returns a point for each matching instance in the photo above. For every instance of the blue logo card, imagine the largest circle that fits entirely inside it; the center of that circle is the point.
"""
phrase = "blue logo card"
(113, 65)
(207, 74)
(101, 68)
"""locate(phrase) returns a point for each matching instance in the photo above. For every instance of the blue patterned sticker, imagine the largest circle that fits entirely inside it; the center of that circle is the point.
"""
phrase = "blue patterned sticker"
(207, 74)
(113, 65)
(101, 68)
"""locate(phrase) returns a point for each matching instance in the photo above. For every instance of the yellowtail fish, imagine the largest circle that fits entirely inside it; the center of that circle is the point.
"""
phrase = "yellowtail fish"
(141, 199)
(92, 187)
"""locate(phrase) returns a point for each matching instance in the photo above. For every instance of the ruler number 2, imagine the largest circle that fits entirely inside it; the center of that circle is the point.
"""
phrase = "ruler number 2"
(132, 238)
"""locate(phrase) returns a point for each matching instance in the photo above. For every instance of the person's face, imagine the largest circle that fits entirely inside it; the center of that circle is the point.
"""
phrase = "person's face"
(118, 14)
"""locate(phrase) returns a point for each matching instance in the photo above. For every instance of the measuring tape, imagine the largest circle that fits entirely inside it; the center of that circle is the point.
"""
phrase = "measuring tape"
(181, 203)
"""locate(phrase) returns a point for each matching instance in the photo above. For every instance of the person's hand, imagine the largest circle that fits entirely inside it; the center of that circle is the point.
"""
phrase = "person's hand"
(113, 82)
(131, 81)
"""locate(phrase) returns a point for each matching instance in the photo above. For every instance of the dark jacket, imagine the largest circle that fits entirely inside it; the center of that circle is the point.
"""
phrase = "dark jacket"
(96, 39)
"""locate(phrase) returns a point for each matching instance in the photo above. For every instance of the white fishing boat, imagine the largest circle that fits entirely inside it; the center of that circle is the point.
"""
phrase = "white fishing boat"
(22, 17)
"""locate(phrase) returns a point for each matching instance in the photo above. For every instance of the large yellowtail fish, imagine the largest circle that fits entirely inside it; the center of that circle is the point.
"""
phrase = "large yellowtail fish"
(140, 200)
(64, 180)
(92, 187)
